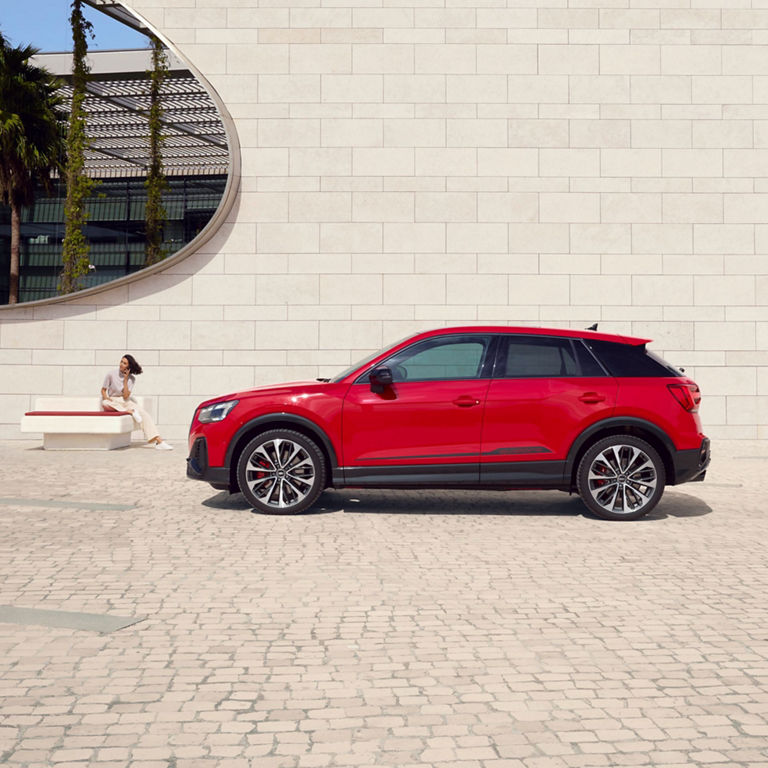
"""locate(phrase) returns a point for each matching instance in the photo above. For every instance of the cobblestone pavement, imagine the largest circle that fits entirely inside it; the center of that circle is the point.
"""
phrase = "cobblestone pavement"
(447, 629)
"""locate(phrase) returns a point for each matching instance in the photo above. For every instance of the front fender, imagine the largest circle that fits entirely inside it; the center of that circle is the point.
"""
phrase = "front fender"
(280, 419)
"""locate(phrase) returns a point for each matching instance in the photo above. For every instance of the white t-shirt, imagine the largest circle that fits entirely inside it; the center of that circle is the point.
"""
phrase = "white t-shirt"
(113, 383)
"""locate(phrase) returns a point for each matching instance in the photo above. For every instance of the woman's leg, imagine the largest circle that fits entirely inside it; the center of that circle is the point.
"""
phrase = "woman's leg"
(142, 418)
(147, 425)
(117, 405)
(139, 414)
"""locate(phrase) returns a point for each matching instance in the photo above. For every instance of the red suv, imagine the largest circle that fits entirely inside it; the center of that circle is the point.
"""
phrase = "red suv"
(478, 407)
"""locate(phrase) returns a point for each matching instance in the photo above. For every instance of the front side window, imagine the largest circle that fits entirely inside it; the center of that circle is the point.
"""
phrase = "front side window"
(527, 357)
(440, 359)
(367, 359)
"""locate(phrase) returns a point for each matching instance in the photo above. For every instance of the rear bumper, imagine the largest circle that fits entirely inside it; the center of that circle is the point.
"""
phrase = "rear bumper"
(691, 465)
(198, 469)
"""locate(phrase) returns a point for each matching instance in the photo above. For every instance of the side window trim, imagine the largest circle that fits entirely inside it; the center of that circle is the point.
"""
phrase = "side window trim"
(499, 356)
(488, 368)
(587, 349)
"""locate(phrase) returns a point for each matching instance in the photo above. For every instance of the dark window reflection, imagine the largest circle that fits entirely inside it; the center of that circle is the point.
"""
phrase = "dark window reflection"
(115, 230)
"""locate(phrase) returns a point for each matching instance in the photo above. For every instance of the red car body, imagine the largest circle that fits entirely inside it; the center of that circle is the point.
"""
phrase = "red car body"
(493, 422)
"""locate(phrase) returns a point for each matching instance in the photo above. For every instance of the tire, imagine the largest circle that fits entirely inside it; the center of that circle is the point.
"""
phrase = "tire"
(621, 478)
(281, 472)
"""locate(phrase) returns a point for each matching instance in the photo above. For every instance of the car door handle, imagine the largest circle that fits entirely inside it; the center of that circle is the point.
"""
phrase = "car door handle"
(465, 401)
(592, 397)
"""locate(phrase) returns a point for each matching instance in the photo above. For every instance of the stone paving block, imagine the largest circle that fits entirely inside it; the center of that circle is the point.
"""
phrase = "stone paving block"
(466, 630)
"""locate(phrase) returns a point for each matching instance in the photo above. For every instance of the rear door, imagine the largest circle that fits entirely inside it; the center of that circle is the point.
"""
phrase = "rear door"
(545, 391)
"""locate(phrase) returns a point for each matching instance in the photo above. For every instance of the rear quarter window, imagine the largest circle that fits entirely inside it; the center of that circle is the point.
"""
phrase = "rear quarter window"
(624, 360)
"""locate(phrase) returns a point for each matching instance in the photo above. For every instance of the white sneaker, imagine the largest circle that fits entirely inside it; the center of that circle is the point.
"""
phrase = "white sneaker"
(163, 446)
(136, 417)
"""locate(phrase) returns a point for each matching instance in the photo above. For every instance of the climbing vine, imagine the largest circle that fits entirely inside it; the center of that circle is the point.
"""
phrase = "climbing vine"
(156, 183)
(75, 248)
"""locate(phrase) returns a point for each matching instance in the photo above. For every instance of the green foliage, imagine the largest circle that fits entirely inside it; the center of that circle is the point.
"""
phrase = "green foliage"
(156, 182)
(31, 138)
(75, 247)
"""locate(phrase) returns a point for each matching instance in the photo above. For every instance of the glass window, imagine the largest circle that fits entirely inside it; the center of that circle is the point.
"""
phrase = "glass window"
(442, 358)
(586, 360)
(525, 357)
(628, 360)
(367, 359)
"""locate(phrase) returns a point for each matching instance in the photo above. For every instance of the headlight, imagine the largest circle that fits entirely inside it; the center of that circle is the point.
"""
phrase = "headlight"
(216, 412)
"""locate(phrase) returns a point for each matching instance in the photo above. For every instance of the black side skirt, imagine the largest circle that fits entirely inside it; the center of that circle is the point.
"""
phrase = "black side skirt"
(502, 475)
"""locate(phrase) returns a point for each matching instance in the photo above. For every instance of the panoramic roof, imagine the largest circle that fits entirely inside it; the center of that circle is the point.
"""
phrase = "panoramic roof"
(117, 105)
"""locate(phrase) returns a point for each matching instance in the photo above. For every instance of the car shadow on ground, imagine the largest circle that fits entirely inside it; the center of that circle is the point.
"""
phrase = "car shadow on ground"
(236, 501)
(423, 502)
(676, 504)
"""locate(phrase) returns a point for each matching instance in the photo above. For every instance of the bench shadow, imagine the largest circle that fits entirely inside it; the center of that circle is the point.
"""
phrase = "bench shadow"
(85, 452)
(424, 502)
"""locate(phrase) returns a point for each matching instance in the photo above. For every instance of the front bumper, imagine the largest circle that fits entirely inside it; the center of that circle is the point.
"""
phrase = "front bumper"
(691, 465)
(198, 468)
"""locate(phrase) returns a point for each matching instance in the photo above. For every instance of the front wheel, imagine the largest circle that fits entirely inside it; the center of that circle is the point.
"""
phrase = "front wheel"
(621, 478)
(281, 472)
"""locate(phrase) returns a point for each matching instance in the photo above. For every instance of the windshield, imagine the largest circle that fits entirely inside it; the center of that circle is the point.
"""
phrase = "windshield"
(360, 363)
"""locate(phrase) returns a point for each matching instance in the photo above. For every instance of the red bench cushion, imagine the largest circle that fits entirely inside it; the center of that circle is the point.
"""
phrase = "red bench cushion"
(77, 413)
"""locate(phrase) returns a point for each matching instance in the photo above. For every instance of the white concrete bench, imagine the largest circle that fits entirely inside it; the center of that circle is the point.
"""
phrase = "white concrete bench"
(80, 424)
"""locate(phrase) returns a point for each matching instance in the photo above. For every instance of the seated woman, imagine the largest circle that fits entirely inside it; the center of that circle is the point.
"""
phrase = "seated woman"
(116, 396)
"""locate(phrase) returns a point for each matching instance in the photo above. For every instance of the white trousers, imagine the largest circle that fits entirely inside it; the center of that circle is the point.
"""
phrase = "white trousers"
(128, 406)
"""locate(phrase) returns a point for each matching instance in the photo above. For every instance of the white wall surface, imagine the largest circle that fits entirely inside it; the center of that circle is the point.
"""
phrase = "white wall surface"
(412, 166)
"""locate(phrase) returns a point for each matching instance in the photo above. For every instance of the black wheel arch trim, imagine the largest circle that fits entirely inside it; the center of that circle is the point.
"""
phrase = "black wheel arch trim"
(280, 418)
(617, 422)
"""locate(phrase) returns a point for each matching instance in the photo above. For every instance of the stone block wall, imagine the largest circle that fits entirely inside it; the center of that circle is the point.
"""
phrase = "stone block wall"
(405, 166)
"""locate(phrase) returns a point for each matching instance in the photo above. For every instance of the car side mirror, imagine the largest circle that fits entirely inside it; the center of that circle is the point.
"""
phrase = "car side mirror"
(380, 378)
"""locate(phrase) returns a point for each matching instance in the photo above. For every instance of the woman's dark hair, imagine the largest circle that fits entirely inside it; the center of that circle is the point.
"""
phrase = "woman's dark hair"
(133, 366)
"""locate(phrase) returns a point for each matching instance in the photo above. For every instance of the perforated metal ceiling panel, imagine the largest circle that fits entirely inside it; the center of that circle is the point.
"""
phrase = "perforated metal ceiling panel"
(117, 105)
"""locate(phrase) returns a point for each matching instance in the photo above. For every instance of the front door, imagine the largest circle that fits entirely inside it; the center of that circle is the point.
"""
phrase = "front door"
(426, 426)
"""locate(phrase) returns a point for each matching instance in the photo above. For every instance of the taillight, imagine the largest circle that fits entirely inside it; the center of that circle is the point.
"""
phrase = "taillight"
(688, 395)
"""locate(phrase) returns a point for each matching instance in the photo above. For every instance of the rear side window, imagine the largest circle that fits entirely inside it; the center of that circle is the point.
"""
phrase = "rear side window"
(527, 357)
(624, 360)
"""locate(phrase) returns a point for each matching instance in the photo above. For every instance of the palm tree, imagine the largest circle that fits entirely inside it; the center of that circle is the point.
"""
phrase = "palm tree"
(31, 138)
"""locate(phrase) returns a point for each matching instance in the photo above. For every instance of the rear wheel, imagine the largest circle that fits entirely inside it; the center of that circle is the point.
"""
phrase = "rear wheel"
(621, 478)
(281, 472)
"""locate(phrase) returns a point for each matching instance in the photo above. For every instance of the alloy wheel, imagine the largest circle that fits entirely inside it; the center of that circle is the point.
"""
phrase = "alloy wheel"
(622, 479)
(280, 473)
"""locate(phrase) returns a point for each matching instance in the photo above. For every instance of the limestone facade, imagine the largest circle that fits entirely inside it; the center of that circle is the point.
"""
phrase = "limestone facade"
(400, 166)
